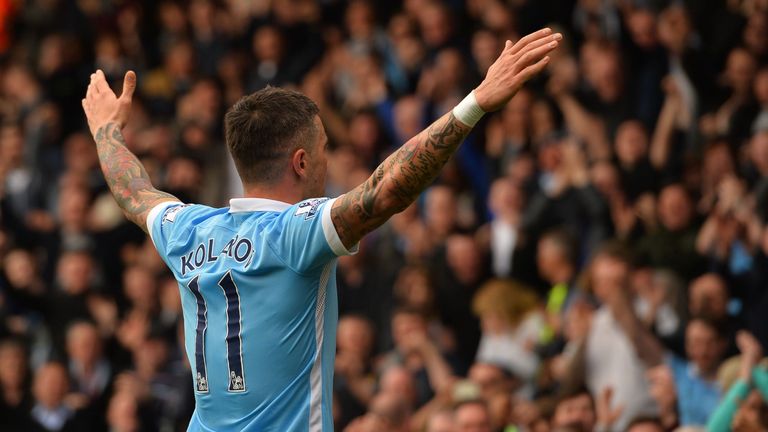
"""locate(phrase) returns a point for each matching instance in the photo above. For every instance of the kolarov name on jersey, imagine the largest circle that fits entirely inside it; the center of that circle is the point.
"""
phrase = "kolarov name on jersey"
(238, 248)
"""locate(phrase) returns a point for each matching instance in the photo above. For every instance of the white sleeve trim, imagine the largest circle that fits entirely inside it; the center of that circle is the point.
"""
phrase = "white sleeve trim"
(154, 213)
(331, 235)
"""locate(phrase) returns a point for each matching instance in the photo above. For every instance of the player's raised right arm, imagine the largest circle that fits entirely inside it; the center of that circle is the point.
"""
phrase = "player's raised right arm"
(399, 180)
(127, 179)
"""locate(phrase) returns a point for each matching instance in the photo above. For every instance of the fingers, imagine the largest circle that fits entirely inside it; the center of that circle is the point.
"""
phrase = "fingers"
(129, 85)
(100, 81)
(534, 52)
(549, 42)
(92, 87)
(530, 38)
(533, 69)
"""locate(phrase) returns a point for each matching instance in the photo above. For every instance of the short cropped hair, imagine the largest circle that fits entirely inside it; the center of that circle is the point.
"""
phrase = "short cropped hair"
(265, 127)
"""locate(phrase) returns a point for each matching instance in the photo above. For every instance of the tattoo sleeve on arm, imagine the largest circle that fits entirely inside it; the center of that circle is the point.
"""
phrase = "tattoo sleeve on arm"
(398, 181)
(126, 176)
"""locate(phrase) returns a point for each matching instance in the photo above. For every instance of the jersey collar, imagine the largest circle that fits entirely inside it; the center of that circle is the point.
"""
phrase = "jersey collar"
(237, 205)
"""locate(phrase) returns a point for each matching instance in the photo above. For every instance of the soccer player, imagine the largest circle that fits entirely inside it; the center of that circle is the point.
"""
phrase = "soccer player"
(257, 279)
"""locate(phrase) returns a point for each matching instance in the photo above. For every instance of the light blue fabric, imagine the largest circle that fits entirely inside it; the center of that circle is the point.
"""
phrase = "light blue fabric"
(697, 398)
(258, 291)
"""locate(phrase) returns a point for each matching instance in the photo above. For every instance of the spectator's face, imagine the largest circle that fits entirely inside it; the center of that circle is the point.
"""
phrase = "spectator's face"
(506, 197)
(550, 156)
(80, 153)
(170, 298)
(608, 276)
(756, 34)
(391, 410)
(549, 259)
(631, 142)
(642, 27)
(201, 14)
(674, 208)
(440, 422)
(122, 413)
(73, 207)
(17, 82)
(108, 49)
(740, 70)
(409, 114)
(51, 385)
(399, 381)
(449, 69)
(20, 268)
(403, 324)
(180, 60)
(500, 410)
(440, 210)
(151, 356)
(485, 49)
(472, 418)
(647, 426)
(84, 344)
(497, 17)
(359, 19)
(516, 114)
(488, 378)
(414, 290)
(435, 25)
(576, 411)
(674, 28)
(74, 272)
(606, 179)
(140, 287)
(717, 164)
(354, 335)
(708, 296)
(11, 146)
(703, 347)
(463, 257)
(761, 87)
(13, 366)
(172, 17)
(364, 134)
(183, 174)
(268, 45)
(542, 119)
(521, 169)
(758, 151)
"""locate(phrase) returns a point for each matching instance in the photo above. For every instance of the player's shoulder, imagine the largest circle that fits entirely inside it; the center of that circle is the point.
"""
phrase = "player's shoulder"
(178, 213)
(307, 209)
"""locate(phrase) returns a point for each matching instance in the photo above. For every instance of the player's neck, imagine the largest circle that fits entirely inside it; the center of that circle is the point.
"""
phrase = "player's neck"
(279, 192)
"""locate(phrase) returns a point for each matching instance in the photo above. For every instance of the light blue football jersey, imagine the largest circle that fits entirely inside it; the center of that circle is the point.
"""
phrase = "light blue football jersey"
(258, 289)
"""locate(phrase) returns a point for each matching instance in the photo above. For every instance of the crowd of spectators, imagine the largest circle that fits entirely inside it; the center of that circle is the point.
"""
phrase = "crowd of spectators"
(595, 257)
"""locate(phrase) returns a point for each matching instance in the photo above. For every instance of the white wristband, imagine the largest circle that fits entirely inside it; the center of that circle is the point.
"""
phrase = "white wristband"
(468, 111)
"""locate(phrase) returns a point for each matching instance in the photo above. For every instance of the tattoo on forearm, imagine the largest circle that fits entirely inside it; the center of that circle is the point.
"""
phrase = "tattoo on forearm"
(126, 176)
(399, 180)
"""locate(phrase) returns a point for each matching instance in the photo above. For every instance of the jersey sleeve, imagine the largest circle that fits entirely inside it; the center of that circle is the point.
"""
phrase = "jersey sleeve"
(162, 223)
(304, 235)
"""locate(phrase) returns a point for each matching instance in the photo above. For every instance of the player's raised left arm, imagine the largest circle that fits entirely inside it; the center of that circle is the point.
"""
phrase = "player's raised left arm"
(127, 179)
(399, 180)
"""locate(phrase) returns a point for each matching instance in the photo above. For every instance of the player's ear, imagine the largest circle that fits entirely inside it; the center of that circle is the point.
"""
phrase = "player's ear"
(300, 163)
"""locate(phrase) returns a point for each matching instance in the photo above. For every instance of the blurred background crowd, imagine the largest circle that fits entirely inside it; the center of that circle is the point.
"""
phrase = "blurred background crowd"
(595, 257)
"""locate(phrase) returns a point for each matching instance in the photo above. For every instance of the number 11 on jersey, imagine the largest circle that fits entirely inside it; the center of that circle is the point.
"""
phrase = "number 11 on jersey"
(235, 379)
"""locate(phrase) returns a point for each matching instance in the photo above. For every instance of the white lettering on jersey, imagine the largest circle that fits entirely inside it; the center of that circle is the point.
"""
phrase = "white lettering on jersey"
(237, 248)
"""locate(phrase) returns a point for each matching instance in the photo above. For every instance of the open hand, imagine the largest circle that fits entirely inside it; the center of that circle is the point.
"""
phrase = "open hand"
(102, 106)
(749, 346)
(517, 64)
